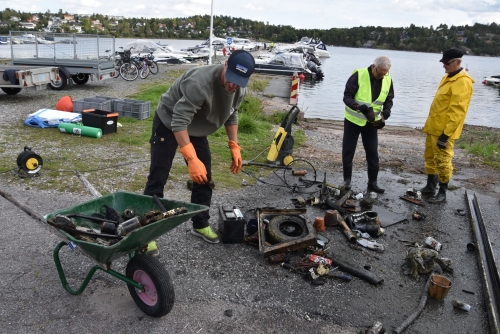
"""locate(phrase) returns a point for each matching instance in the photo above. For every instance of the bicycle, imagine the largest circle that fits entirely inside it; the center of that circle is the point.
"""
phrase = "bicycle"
(146, 65)
(128, 69)
(143, 67)
(152, 64)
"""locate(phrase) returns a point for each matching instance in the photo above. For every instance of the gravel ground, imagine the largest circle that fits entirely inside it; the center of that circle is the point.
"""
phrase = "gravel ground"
(211, 280)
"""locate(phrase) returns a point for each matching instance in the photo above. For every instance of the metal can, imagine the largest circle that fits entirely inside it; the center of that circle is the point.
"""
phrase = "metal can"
(461, 305)
(433, 243)
(128, 226)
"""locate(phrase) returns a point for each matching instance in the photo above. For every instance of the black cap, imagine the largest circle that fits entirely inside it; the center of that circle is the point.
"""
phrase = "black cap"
(240, 66)
(451, 54)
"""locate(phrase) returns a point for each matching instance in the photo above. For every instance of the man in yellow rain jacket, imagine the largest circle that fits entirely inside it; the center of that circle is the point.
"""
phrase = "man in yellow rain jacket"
(444, 124)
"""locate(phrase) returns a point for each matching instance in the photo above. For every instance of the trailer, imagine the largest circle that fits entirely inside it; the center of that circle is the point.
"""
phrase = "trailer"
(78, 57)
(14, 78)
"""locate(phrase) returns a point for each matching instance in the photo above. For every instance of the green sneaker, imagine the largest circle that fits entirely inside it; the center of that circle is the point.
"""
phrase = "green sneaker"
(152, 249)
(206, 234)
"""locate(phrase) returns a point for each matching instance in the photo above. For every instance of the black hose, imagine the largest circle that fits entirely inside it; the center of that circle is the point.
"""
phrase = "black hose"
(417, 312)
(159, 203)
(358, 272)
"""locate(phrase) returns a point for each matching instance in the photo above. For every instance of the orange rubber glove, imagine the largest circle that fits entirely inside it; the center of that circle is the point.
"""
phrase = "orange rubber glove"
(235, 153)
(197, 170)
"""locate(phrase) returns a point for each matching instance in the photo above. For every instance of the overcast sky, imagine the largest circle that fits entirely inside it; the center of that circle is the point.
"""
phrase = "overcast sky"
(320, 14)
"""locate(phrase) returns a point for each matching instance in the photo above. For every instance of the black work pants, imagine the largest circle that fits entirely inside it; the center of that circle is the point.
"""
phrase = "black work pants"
(163, 148)
(350, 141)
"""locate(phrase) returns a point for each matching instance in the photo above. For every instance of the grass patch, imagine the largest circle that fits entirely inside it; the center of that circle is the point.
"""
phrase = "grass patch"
(483, 144)
(120, 161)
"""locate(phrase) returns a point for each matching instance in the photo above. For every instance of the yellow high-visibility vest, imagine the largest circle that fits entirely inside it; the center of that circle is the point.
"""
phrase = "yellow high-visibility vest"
(364, 96)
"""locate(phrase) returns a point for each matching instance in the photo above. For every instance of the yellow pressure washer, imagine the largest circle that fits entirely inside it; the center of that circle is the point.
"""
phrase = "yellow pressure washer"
(282, 147)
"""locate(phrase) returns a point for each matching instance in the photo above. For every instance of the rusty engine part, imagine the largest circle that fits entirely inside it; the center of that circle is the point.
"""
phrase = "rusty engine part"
(334, 218)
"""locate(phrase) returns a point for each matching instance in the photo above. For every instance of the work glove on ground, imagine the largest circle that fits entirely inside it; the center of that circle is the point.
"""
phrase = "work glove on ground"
(386, 113)
(197, 170)
(442, 140)
(367, 111)
(236, 154)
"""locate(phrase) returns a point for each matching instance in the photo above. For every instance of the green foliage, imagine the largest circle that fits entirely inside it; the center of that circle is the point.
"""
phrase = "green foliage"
(484, 145)
(258, 84)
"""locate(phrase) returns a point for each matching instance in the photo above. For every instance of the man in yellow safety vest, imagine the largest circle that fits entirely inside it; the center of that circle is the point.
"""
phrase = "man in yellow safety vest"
(368, 98)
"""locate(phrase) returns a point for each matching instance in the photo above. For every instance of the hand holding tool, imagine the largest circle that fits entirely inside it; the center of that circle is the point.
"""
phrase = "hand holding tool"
(197, 170)
(367, 111)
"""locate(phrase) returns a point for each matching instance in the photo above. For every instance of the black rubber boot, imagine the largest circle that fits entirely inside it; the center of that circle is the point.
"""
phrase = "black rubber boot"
(441, 195)
(431, 186)
(347, 178)
(372, 182)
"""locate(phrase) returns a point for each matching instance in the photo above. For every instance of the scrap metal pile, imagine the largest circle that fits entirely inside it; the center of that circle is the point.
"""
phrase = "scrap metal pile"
(108, 226)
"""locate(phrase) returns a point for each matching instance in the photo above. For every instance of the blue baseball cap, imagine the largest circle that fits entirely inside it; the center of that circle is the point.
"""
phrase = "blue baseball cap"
(240, 66)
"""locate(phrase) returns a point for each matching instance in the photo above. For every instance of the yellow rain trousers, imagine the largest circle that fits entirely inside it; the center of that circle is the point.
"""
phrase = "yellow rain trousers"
(438, 161)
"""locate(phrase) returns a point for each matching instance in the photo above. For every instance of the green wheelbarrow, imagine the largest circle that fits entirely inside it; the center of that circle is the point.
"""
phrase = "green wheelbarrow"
(148, 281)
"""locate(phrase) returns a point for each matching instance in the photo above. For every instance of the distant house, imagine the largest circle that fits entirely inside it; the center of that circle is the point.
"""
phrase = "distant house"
(27, 25)
(69, 17)
(78, 29)
(35, 18)
(4, 24)
(15, 19)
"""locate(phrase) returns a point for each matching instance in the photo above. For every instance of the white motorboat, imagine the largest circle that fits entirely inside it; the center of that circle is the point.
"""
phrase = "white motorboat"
(493, 80)
(243, 44)
(161, 55)
(217, 44)
(4, 40)
(319, 46)
(188, 55)
(284, 64)
(28, 39)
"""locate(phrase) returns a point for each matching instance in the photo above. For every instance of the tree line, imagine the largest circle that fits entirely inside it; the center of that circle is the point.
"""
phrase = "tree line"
(478, 39)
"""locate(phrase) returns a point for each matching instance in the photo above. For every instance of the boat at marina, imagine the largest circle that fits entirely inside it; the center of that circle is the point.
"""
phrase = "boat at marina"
(218, 44)
(161, 54)
(493, 80)
(284, 64)
(243, 44)
(4, 40)
(318, 45)
(28, 39)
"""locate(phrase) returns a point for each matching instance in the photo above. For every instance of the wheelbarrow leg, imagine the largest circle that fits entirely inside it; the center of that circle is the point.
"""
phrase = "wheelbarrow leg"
(91, 273)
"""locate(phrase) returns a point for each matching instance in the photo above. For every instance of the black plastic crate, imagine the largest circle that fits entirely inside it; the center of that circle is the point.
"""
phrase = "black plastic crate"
(105, 120)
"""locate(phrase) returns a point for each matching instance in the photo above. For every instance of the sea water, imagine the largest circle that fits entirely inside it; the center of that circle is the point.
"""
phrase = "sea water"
(416, 77)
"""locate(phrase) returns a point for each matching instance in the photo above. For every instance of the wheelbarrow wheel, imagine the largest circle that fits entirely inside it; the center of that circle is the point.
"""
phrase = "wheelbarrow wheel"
(158, 296)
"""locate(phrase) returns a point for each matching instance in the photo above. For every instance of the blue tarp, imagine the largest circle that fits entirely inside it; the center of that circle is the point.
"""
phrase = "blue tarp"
(50, 118)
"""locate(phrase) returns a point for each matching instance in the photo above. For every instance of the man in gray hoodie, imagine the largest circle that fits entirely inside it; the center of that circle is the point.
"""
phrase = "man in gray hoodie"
(197, 104)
